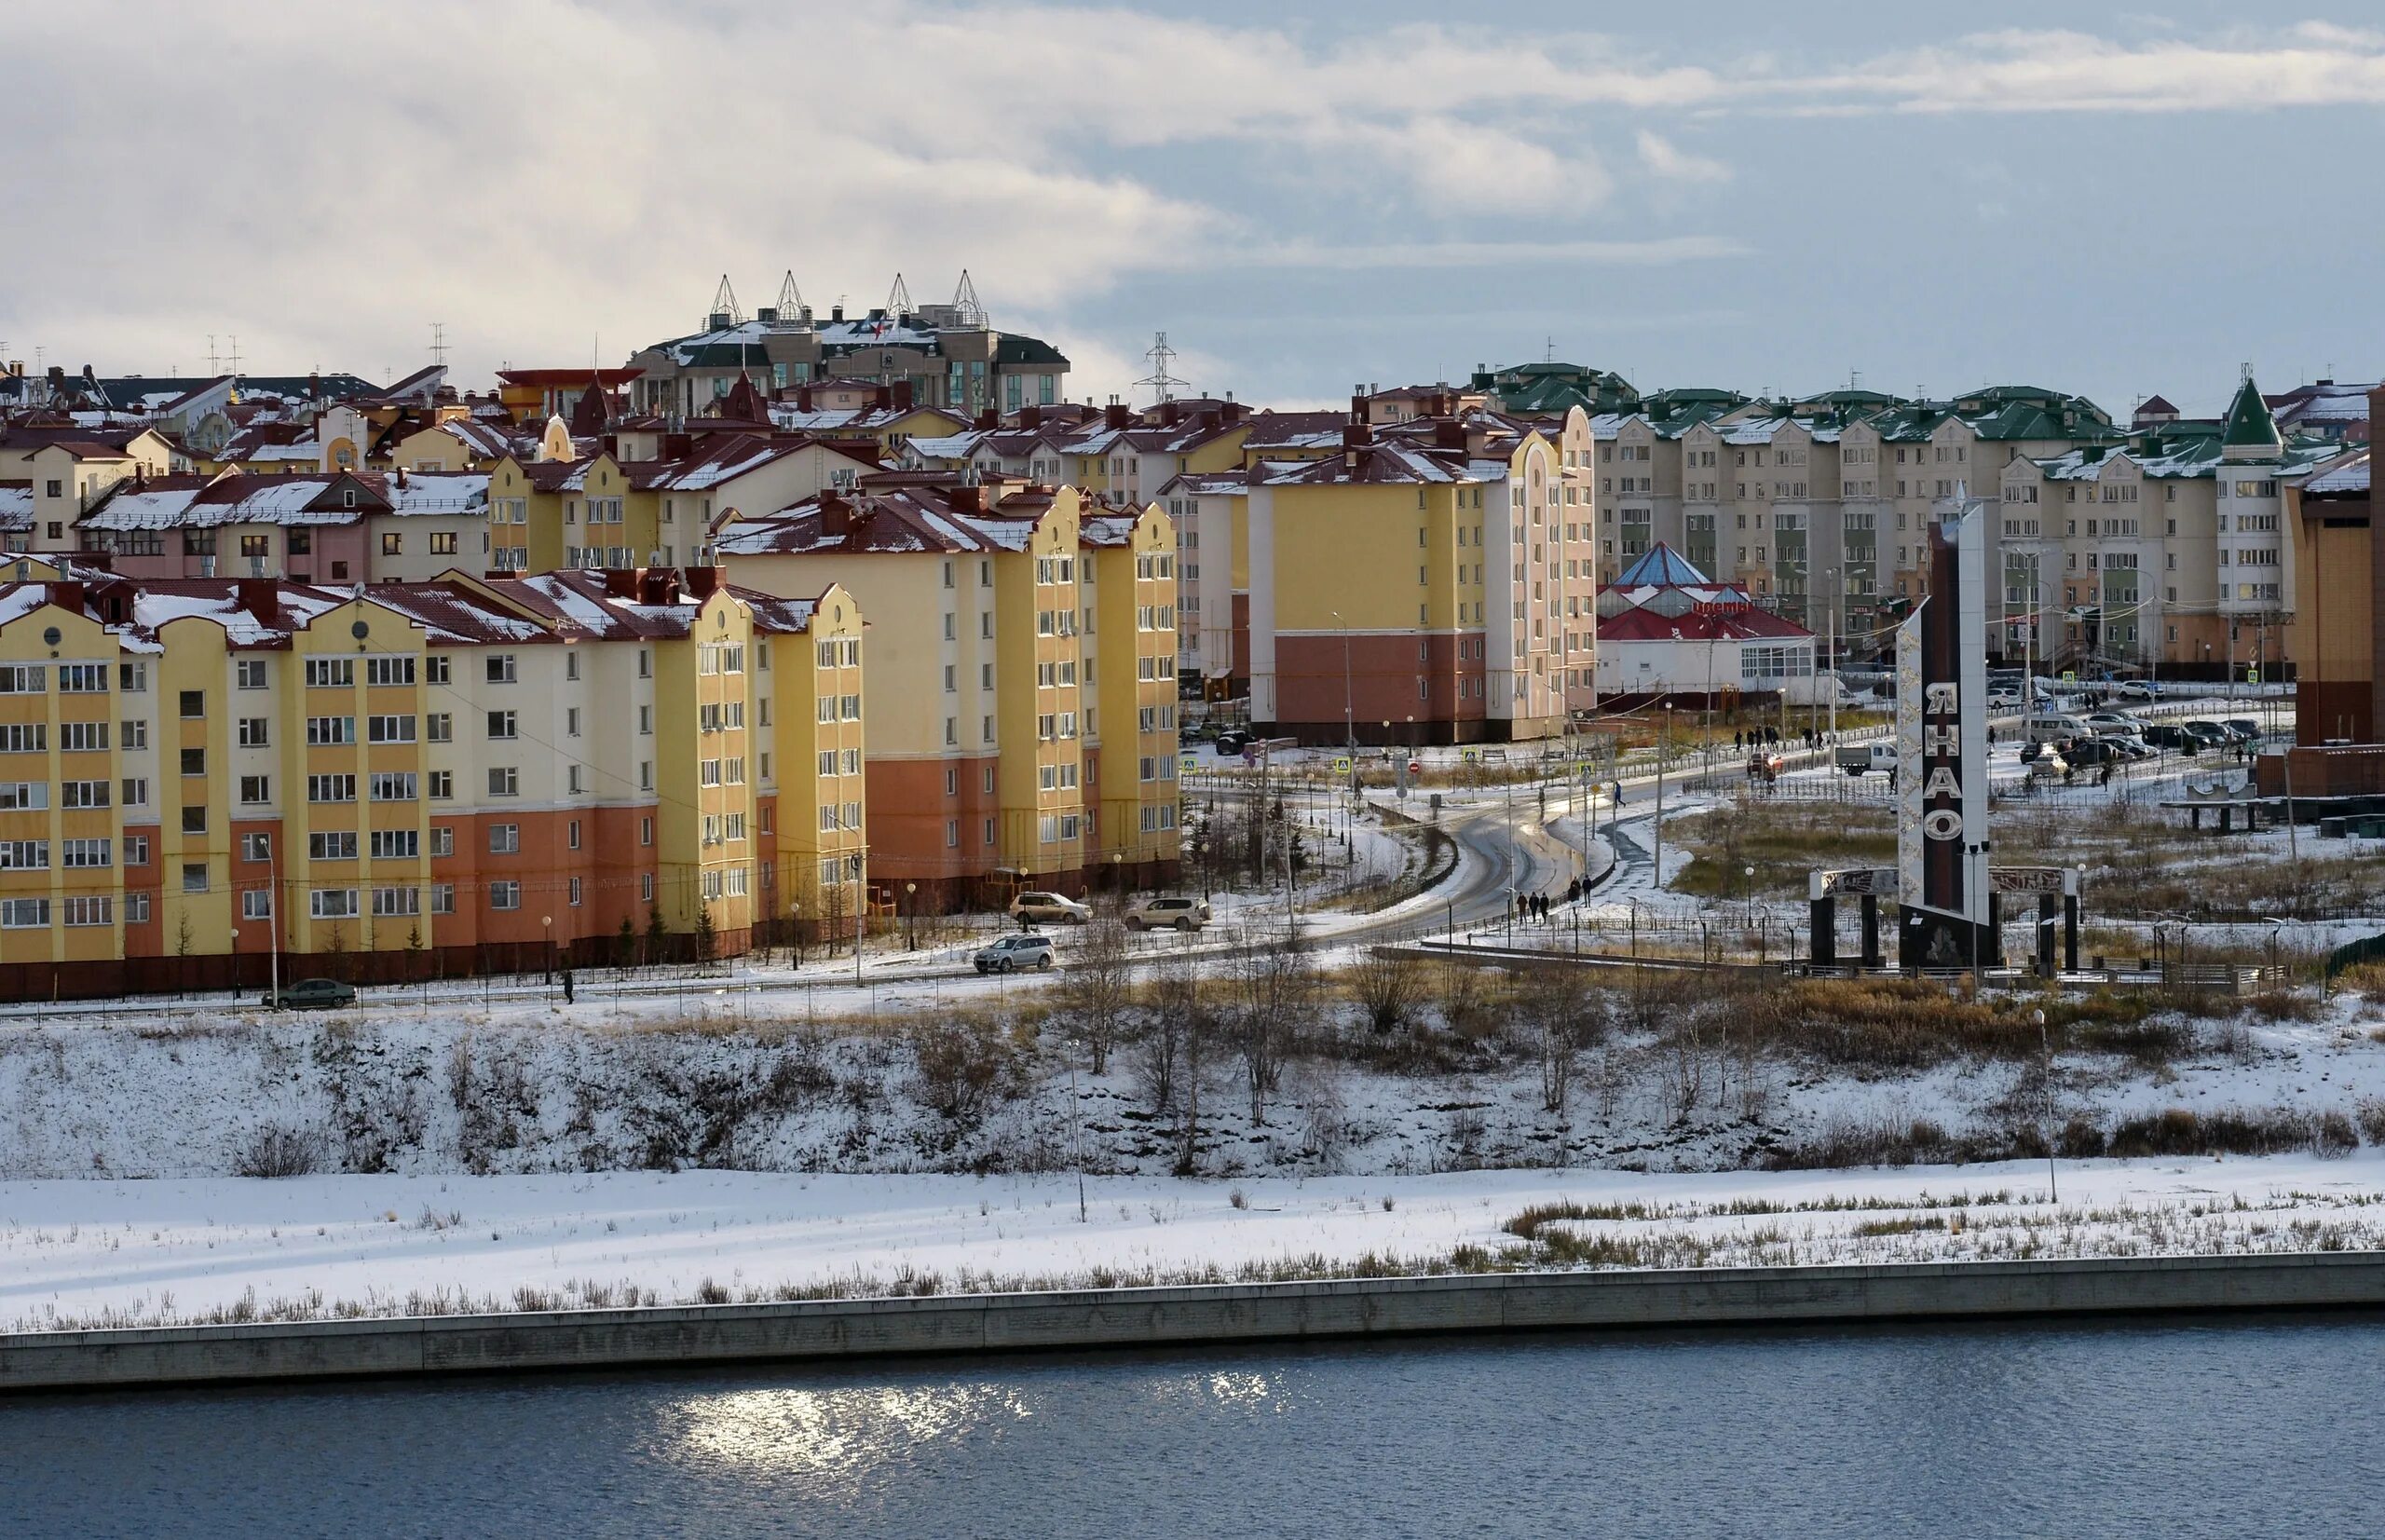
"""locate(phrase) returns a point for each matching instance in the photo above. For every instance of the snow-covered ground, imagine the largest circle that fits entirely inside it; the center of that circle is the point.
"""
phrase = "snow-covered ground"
(124, 1252)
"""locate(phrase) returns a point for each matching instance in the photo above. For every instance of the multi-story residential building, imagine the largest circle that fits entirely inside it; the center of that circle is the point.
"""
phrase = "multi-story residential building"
(60, 472)
(197, 774)
(2338, 566)
(1412, 588)
(341, 527)
(947, 355)
(1026, 631)
(612, 510)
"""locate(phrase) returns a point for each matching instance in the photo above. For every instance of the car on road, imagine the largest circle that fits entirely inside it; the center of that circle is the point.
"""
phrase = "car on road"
(1856, 759)
(2003, 702)
(1232, 742)
(1049, 907)
(1012, 953)
(309, 994)
(1165, 911)
(2135, 690)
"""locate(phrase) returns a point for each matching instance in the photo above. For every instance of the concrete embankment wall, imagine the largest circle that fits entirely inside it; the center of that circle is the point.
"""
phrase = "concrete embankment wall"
(1161, 1318)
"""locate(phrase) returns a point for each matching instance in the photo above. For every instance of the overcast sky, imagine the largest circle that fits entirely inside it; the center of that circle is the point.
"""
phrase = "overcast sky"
(1302, 196)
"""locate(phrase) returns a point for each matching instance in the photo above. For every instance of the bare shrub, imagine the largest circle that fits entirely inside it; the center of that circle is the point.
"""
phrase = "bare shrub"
(2370, 1112)
(1559, 1014)
(274, 1152)
(1390, 988)
(964, 1068)
(1270, 990)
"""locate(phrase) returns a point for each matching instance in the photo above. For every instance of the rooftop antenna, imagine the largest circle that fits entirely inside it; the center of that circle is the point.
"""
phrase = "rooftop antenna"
(1548, 351)
(790, 297)
(1855, 379)
(214, 360)
(1164, 385)
(898, 299)
(439, 343)
(964, 299)
(234, 358)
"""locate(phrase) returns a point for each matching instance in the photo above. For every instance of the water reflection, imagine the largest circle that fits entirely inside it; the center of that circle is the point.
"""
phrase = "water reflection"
(841, 1432)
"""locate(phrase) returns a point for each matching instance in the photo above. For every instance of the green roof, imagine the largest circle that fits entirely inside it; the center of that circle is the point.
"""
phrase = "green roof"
(2250, 426)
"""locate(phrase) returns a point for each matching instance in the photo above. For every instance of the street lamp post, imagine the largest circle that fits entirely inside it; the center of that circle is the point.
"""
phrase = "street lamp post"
(2044, 1047)
(547, 927)
(911, 900)
(1349, 726)
(1750, 873)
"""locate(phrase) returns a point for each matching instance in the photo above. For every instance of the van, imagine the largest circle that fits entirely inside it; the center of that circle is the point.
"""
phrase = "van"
(2050, 726)
(1855, 759)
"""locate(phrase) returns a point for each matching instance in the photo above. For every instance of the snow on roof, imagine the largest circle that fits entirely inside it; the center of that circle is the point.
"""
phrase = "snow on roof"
(439, 492)
(2340, 477)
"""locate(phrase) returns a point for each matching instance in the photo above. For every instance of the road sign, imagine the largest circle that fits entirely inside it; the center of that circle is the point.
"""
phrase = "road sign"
(1340, 764)
(1188, 761)
(2251, 675)
(1469, 755)
(2070, 677)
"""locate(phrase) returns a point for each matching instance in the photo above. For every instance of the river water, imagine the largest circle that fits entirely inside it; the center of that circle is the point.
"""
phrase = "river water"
(2237, 1427)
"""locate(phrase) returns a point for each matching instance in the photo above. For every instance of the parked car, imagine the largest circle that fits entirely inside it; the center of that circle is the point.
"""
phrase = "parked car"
(1163, 911)
(1049, 907)
(2208, 734)
(2003, 700)
(2087, 753)
(2134, 747)
(2046, 764)
(2115, 724)
(2135, 690)
(309, 994)
(2244, 728)
(2172, 735)
(1233, 742)
(1013, 952)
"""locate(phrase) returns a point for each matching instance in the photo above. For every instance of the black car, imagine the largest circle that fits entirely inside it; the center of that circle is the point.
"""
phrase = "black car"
(2244, 728)
(2210, 735)
(2085, 751)
(1233, 741)
(2170, 735)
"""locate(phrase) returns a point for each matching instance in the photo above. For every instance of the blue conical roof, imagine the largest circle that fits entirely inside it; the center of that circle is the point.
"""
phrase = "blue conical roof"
(1662, 568)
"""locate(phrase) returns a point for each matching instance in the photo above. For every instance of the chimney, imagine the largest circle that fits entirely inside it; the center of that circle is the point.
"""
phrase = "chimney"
(882, 397)
(621, 582)
(402, 478)
(1114, 414)
(314, 386)
(902, 395)
(1171, 412)
(703, 582)
(1358, 406)
(658, 588)
(1355, 439)
(1449, 434)
(803, 398)
(67, 594)
(259, 597)
(835, 312)
(1031, 417)
(1234, 409)
(836, 515)
(968, 499)
(988, 420)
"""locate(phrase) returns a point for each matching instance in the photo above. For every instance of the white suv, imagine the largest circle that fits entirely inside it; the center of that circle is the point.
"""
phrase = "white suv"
(1158, 912)
(1049, 907)
(1011, 953)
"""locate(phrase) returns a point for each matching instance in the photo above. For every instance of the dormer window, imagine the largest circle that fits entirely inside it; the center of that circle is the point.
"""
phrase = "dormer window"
(347, 497)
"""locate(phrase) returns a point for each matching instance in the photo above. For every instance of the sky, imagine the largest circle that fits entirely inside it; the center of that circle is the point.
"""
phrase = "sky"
(1925, 197)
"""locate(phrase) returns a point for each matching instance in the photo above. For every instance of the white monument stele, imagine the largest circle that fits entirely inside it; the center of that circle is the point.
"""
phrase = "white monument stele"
(1941, 754)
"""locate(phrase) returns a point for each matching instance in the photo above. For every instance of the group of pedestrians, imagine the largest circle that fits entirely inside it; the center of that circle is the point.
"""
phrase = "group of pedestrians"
(1540, 906)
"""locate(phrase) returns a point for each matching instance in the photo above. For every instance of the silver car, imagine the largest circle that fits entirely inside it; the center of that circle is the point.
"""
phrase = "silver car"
(1012, 953)
(1163, 912)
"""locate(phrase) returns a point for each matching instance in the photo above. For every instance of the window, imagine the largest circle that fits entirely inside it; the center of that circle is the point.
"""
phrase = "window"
(24, 856)
(397, 901)
(571, 834)
(136, 850)
(438, 728)
(256, 847)
(82, 678)
(393, 786)
(136, 793)
(335, 845)
(505, 895)
(504, 781)
(442, 898)
(93, 738)
(25, 914)
(132, 678)
(331, 672)
(23, 795)
(24, 738)
(443, 841)
(442, 544)
(255, 789)
(136, 908)
(388, 671)
(332, 903)
(499, 668)
(194, 876)
(24, 679)
(329, 731)
(331, 788)
(87, 852)
(194, 704)
(571, 716)
(255, 732)
(442, 785)
(504, 839)
(501, 725)
(248, 672)
(434, 669)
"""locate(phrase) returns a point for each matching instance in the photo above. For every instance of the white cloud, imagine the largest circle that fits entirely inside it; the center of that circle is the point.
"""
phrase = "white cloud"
(1486, 254)
(1671, 162)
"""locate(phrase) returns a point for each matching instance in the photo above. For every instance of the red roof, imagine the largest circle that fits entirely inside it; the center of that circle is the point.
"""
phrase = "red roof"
(1700, 625)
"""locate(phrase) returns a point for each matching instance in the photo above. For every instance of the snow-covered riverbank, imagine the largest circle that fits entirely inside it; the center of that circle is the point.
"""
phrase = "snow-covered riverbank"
(95, 1252)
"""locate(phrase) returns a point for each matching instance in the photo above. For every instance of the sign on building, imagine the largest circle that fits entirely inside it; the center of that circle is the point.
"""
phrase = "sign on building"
(1942, 728)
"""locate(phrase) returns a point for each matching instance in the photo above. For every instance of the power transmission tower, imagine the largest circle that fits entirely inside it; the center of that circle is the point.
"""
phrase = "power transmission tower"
(1164, 386)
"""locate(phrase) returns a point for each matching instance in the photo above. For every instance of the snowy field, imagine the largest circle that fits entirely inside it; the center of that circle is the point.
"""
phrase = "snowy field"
(121, 1252)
